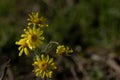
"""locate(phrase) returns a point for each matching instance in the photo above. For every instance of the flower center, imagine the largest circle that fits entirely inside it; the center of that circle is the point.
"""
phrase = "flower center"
(24, 44)
(33, 37)
(43, 65)
(37, 21)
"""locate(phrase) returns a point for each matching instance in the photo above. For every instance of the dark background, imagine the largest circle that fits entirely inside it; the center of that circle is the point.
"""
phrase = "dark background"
(90, 27)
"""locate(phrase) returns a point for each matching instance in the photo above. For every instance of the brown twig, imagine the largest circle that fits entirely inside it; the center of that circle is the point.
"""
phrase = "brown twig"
(74, 73)
(80, 66)
(5, 67)
(113, 65)
(10, 73)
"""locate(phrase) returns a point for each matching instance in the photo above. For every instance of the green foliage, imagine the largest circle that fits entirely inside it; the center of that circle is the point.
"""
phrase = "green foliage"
(96, 74)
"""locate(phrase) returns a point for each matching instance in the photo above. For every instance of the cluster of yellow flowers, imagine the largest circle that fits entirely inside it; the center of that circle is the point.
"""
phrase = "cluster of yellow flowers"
(32, 36)
(31, 39)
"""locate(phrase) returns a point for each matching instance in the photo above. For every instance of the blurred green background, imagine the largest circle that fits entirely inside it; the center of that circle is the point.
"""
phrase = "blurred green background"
(88, 26)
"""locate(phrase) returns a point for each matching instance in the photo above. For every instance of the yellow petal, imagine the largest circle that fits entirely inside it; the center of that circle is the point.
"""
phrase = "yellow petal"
(37, 74)
(42, 38)
(35, 63)
(16, 42)
(26, 51)
(19, 48)
(50, 74)
(29, 23)
(23, 35)
(21, 51)
(36, 70)
(50, 61)
(47, 59)
(41, 71)
(38, 59)
(42, 57)
(43, 75)
(47, 75)
(29, 45)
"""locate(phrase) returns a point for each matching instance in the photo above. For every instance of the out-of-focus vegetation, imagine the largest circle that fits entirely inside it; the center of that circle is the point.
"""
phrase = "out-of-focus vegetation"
(91, 27)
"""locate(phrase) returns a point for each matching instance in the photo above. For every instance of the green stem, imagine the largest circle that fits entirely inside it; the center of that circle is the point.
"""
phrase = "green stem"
(51, 42)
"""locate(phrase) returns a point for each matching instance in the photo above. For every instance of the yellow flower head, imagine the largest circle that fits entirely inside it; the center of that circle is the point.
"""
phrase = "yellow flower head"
(44, 66)
(33, 37)
(23, 46)
(62, 50)
(35, 20)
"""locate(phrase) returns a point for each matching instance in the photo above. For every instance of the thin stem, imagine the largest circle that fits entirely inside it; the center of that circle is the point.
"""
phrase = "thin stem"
(51, 42)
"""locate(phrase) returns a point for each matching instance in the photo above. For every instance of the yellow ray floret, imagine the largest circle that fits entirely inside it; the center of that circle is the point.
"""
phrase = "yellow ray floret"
(62, 50)
(44, 66)
(23, 47)
(33, 37)
(34, 19)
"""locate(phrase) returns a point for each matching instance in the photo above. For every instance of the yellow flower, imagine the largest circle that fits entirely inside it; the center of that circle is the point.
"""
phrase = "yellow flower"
(23, 46)
(44, 66)
(62, 50)
(35, 20)
(33, 36)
